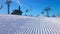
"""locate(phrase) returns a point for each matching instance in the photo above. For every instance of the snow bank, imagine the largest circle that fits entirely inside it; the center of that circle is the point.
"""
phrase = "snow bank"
(12, 24)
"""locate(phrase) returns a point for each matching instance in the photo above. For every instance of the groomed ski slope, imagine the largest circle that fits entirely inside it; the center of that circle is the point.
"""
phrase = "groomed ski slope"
(12, 24)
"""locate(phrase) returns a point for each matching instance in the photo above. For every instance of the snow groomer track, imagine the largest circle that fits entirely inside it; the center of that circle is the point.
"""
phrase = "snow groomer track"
(10, 24)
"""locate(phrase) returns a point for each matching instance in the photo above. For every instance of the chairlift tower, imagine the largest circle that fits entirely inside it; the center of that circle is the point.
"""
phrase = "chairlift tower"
(8, 5)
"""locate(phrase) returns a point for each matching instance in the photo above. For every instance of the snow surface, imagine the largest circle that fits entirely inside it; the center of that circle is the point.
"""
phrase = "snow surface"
(12, 24)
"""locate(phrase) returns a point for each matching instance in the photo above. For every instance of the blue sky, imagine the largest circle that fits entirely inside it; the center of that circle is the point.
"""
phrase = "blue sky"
(35, 7)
